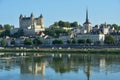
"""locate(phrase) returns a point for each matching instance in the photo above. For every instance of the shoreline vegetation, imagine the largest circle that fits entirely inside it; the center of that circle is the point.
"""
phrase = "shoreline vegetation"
(72, 51)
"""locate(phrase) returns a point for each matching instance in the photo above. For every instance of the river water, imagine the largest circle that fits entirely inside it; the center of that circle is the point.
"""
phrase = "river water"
(61, 67)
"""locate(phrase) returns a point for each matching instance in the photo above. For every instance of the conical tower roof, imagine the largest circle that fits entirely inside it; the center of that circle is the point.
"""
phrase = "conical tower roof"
(87, 20)
(41, 16)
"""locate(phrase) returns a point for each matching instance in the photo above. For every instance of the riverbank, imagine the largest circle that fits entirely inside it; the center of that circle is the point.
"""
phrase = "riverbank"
(48, 50)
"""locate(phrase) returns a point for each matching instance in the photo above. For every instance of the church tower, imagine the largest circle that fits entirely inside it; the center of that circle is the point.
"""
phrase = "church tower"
(87, 25)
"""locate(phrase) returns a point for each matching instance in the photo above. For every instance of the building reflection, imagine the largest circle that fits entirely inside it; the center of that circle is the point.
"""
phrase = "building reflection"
(33, 67)
(87, 66)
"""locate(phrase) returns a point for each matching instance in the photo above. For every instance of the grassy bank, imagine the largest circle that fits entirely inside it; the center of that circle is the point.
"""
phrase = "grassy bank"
(103, 51)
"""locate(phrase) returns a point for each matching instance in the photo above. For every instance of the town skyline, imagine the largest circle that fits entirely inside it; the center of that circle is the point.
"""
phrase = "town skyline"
(99, 11)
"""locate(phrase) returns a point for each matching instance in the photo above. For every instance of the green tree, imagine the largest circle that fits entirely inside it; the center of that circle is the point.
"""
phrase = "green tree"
(74, 41)
(74, 24)
(89, 41)
(3, 42)
(81, 41)
(12, 42)
(68, 41)
(57, 42)
(7, 27)
(109, 39)
(56, 32)
(6, 33)
(28, 41)
(1, 27)
(37, 41)
(116, 27)
(66, 24)
(63, 24)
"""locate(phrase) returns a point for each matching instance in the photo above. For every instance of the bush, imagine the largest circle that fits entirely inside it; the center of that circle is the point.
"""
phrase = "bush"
(28, 41)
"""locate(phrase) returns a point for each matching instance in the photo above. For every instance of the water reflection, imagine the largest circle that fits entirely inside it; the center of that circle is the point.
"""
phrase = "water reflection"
(31, 65)
(87, 65)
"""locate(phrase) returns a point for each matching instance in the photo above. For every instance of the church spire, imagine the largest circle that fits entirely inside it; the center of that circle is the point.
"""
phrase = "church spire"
(87, 20)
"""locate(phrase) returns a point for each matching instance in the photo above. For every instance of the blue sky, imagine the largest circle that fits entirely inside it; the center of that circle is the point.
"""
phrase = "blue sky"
(100, 11)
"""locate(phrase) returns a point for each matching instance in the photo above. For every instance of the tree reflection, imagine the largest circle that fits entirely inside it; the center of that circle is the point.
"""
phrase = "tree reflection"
(61, 66)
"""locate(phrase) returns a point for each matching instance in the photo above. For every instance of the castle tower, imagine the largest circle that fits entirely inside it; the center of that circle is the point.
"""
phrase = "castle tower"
(32, 20)
(32, 16)
(21, 16)
(20, 19)
(41, 21)
(87, 25)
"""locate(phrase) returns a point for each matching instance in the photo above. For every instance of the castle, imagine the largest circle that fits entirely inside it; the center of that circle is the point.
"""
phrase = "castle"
(30, 25)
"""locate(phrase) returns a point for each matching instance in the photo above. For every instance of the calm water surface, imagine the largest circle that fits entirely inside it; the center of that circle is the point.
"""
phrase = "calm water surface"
(61, 67)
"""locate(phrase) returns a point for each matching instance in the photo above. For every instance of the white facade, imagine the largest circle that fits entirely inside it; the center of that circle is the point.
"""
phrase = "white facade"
(65, 38)
(76, 31)
(105, 30)
(87, 27)
(117, 37)
(93, 37)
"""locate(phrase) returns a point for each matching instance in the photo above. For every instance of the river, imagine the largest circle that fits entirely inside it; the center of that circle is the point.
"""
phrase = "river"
(61, 67)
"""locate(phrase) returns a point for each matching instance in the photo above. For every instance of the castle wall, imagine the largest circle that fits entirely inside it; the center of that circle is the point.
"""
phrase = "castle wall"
(24, 24)
(29, 32)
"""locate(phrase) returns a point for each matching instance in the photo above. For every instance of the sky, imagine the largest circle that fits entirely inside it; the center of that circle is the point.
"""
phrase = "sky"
(100, 11)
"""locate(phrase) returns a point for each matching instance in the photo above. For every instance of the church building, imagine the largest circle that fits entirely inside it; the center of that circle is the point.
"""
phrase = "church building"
(87, 25)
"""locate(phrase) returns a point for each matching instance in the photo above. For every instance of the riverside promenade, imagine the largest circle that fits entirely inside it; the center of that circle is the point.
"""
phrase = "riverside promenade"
(62, 49)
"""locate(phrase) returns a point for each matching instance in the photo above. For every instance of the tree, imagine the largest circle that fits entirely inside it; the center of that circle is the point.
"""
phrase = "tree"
(57, 42)
(89, 41)
(37, 41)
(68, 41)
(81, 41)
(61, 23)
(1, 27)
(109, 39)
(3, 42)
(116, 27)
(28, 41)
(6, 33)
(56, 32)
(12, 42)
(74, 24)
(74, 41)
(66, 24)
(7, 27)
